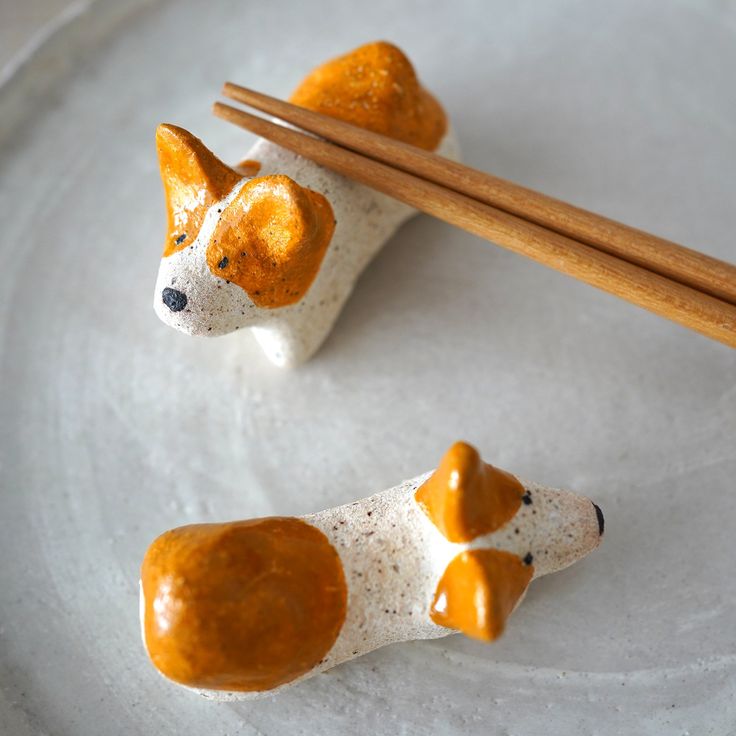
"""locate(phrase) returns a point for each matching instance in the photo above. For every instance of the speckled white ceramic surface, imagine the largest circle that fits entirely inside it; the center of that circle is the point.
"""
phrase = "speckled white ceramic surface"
(114, 427)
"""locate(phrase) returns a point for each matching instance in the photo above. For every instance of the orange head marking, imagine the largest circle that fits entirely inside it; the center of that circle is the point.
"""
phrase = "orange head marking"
(194, 179)
(479, 590)
(271, 240)
(375, 87)
(271, 236)
(466, 497)
(244, 606)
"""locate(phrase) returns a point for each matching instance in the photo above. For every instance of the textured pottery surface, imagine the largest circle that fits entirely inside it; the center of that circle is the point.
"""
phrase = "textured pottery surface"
(114, 427)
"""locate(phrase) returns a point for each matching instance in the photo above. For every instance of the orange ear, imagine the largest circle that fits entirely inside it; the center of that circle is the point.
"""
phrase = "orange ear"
(271, 240)
(466, 497)
(194, 179)
(478, 591)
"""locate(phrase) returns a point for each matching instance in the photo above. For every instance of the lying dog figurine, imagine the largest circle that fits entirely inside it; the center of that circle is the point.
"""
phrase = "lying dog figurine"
(241, 609)
(280, 252)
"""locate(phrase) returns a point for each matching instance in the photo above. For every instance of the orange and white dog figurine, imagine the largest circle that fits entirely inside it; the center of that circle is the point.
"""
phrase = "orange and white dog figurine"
(280, 252)
(243, 608)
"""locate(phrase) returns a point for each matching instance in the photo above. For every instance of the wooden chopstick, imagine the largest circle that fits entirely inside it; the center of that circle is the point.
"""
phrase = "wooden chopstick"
(670, 299)
(698, 270)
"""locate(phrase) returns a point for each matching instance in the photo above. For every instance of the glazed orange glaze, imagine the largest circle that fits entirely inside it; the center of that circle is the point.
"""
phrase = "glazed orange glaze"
(244, 606)
(466, 497)
(271, 240)
(194, 179)
(248, 167)
(478, 592)
(375, 87)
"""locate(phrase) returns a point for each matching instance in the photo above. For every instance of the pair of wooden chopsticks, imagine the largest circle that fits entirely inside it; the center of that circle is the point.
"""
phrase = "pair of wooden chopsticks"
(680, 284)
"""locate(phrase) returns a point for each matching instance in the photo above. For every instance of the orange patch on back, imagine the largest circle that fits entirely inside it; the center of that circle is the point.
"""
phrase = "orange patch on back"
(194, 179)
(478, 592)
(466, 497)
(245, 606)
(375, 87)
(271, 240)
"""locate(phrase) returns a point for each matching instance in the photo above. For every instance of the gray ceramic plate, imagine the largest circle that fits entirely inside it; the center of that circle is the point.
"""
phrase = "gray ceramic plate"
(115, 428)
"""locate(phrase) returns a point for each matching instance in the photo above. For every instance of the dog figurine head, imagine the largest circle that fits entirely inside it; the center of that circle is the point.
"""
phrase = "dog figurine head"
(266, 236)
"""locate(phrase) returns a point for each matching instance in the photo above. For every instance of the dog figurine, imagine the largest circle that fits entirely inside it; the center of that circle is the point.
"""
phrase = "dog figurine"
(245, 608)
(277, 243)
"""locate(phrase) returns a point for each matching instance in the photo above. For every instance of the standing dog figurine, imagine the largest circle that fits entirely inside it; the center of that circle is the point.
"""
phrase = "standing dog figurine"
(281, 252)
(247, 607)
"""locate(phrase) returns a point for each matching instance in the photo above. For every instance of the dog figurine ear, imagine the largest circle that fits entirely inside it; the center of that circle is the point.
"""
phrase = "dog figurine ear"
(194, 179)
(466, 497)
(479, 590)
(271, 239)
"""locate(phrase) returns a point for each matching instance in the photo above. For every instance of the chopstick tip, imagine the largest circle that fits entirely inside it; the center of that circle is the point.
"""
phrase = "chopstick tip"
(219, 109)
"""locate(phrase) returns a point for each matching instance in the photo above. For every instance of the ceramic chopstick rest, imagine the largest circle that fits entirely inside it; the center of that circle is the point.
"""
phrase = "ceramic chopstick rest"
(243, 608)
(280, 252)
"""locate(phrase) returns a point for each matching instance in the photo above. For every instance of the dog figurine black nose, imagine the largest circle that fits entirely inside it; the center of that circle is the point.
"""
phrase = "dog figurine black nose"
(175, 300)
